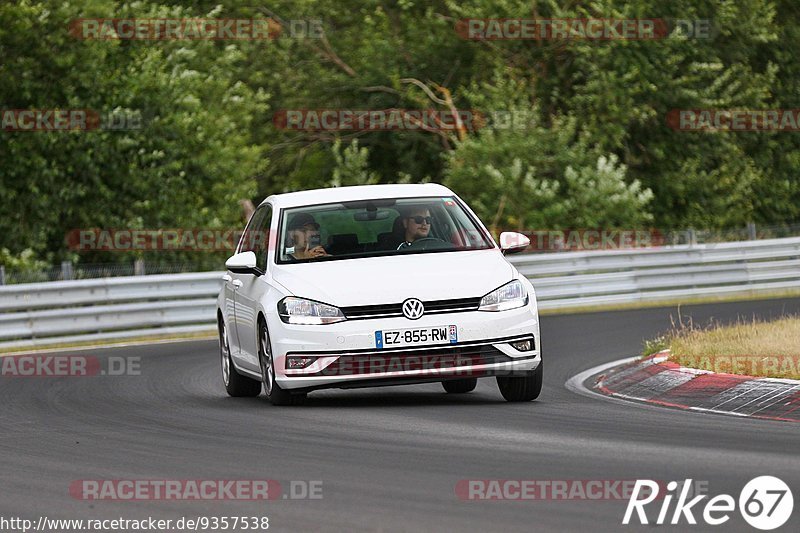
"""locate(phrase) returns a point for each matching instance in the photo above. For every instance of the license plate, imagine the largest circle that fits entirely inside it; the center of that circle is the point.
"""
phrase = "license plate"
(416, 337)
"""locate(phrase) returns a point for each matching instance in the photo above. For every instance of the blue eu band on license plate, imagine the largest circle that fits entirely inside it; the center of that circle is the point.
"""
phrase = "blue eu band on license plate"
(434, 335)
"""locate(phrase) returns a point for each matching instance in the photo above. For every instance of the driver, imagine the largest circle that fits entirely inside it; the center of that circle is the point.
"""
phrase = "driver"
(417, 224)
(303, 231)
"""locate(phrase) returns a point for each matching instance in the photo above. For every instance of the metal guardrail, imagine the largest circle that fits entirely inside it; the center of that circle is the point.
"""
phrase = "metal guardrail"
(75, 311)
(621, 276)
(72, 311)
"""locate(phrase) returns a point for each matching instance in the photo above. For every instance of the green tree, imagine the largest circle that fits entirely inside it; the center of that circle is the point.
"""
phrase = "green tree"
(187, 166)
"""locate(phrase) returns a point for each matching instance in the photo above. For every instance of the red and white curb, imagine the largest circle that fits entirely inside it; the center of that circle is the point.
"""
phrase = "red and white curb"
(656, 380)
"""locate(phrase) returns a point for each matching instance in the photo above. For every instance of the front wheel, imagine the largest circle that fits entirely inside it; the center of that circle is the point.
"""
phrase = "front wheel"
(521, 388)
(276, 395)
(236, 384)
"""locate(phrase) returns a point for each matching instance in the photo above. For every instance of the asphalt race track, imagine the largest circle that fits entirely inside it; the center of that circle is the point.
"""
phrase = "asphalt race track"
(389, 459)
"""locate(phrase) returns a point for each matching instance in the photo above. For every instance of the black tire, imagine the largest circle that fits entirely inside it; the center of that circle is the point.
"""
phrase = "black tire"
(275, 394)
(460, 386)
(521, 388)
(236, 385)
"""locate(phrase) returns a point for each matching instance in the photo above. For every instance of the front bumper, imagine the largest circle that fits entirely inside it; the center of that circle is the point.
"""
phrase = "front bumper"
(346, 353)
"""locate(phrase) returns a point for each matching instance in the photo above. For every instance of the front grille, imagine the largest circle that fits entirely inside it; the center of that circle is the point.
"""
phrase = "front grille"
(395, 310)
(372, 311)
(438, 360)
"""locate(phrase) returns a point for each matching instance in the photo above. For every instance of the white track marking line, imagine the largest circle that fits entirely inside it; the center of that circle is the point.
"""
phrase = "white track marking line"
(748, 388)
(782, 397)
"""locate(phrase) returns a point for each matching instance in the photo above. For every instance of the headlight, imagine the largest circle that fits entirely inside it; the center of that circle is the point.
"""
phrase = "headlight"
(300, 311)
(509, 296)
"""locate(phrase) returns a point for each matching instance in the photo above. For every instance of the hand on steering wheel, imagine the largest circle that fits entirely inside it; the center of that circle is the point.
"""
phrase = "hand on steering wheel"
(419, 244)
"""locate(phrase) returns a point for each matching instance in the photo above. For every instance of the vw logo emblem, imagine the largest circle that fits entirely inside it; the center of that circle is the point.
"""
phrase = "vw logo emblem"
(413, 309)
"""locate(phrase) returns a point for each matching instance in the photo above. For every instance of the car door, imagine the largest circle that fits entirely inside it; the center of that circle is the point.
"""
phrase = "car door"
(253, 287)
(229, 312)
(233, 290)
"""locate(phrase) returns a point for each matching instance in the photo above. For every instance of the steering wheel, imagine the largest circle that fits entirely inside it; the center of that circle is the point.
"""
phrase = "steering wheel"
(427, 243)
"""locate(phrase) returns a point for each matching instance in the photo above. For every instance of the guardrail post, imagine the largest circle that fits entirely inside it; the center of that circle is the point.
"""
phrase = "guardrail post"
(138, 267)
(66, 270)
(751, 231)
(2, 274)
(691, 236)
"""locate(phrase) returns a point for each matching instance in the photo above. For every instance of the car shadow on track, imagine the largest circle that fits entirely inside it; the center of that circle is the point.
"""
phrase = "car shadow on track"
(341, 399)
(344, 399)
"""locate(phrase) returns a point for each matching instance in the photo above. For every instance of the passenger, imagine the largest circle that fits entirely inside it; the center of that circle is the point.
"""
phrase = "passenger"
(303, 231)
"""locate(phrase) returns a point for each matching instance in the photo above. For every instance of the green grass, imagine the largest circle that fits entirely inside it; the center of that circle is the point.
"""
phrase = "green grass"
(754, 348)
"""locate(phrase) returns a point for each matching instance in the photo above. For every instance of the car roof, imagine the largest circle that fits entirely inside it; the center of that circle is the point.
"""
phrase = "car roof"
(360, 192)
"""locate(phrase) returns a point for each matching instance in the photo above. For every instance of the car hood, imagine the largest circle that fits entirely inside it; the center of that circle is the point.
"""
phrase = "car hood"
(392, 279)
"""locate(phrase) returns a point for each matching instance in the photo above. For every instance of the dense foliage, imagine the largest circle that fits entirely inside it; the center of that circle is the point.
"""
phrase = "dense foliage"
(594, 148)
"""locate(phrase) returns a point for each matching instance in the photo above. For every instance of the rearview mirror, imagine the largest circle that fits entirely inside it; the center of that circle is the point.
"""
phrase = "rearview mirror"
(364, 216)
(242, 263)
(512, 242)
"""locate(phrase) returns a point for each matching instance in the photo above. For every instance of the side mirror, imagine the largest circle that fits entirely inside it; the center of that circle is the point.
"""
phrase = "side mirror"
(512, 242)
(242, 263)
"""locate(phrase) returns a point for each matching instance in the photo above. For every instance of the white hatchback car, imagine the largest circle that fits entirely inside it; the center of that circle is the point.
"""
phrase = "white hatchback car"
(375, 285)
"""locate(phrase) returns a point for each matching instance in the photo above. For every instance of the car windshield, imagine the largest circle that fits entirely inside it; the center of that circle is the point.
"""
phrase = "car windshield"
(367, 228)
